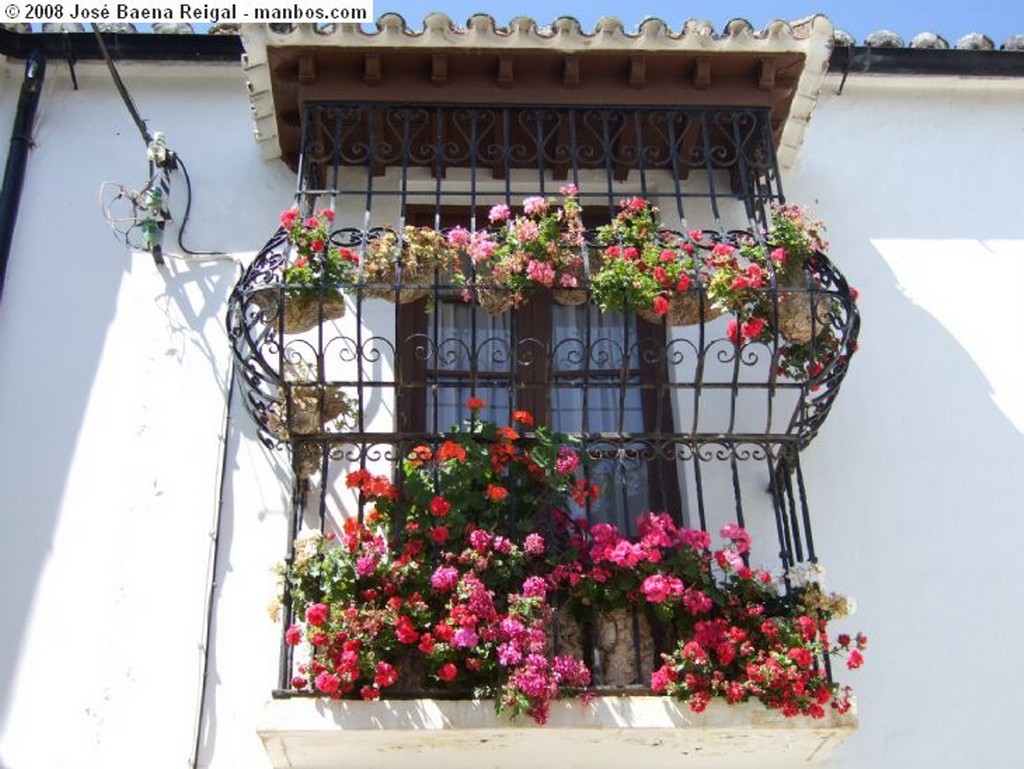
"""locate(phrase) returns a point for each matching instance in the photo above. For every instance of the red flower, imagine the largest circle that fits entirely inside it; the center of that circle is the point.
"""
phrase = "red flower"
(328, 683)
(301, 261)
(733, 331)
(439, 534)
(451, 450)
(316, 614)
(753, 327)
(475, 404)
(440, 507)
(289, 217)
(855, 660)
(523, 417)
(405, 631)
(660, 305)
(448, 672)
(386, 675)
(496, 493)
(684, 283)
(508, 433)
(370, 693)
(293, 636)
(317, 244)
(298, 682)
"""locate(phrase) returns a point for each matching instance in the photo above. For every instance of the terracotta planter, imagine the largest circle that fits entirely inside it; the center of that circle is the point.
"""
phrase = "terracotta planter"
(683, 310)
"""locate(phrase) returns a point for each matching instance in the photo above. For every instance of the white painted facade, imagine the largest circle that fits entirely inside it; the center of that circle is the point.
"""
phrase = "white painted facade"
(113, 376)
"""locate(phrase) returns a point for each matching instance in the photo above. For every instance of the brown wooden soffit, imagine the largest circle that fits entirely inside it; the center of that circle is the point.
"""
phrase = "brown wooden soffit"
(301, 75)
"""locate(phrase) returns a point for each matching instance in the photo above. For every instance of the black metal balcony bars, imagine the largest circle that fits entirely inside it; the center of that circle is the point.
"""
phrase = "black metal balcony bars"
(711, 429)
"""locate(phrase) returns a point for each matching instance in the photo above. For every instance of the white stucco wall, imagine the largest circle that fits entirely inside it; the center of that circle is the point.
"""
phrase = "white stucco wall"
(112, 381)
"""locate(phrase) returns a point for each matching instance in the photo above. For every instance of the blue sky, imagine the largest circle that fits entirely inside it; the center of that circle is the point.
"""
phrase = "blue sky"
(996, 18)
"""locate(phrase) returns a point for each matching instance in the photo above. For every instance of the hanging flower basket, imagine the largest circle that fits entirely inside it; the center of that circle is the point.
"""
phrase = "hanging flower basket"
(422, 251)
(302, 310)
(496, 301)
(683, 309)
(569, 297)
(795, 315)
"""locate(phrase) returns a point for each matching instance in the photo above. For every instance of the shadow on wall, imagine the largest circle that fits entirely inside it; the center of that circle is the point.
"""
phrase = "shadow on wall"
(917, 485)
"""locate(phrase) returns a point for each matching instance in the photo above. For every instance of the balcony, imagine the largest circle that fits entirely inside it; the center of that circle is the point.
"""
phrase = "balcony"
(645, 731)
(462, 426)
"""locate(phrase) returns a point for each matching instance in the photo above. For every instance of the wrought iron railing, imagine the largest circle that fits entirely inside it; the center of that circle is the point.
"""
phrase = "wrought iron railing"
(691, 420)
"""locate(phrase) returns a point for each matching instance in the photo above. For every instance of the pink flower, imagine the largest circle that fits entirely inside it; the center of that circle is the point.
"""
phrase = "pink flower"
(316, 614)
(458, 237)
(289, 217)
(732, 330)
(444, 578)
(658, 588)
(696, 602)
(465, 638)
(328, 683)
(737, 536)
(568, 281)
(534, 544)
(480, 540)
(535, 587)
(509, 655)
(695, 539)
(540, 272)
(526, 230)
(567, 461)
(569, 190)
(292, 637)
(535, 205)
(779, 256)
(499, 213)
(366, 565)
(855, 660)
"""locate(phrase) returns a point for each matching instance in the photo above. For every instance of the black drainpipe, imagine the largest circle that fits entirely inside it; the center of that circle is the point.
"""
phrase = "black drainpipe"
(17, 155)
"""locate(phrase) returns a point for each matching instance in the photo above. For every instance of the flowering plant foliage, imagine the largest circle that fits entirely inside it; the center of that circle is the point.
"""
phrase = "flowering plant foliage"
(418, 252)
(539, 248)
(746, 641)
(451, 581)
(314, 261)
(642, 268)
(799, 311)
(446, 597)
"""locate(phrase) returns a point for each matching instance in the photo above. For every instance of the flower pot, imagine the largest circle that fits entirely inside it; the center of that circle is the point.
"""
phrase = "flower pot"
(495, 301)
(615, 649)
(683, 310)
(302, 310)
(307, 458)
(795, 315)
(413, 287)
(569, 297)
(616, 652)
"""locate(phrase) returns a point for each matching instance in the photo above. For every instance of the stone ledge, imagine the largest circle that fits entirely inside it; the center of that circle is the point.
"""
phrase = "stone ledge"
(648, 732)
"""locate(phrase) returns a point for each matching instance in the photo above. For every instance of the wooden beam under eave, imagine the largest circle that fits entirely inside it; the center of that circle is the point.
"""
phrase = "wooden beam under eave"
(371, 68)
(506, 70)
(637, 71)
(439, 68)
(307, 69)
(702, 73)
(571, 74)
(766, 74)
